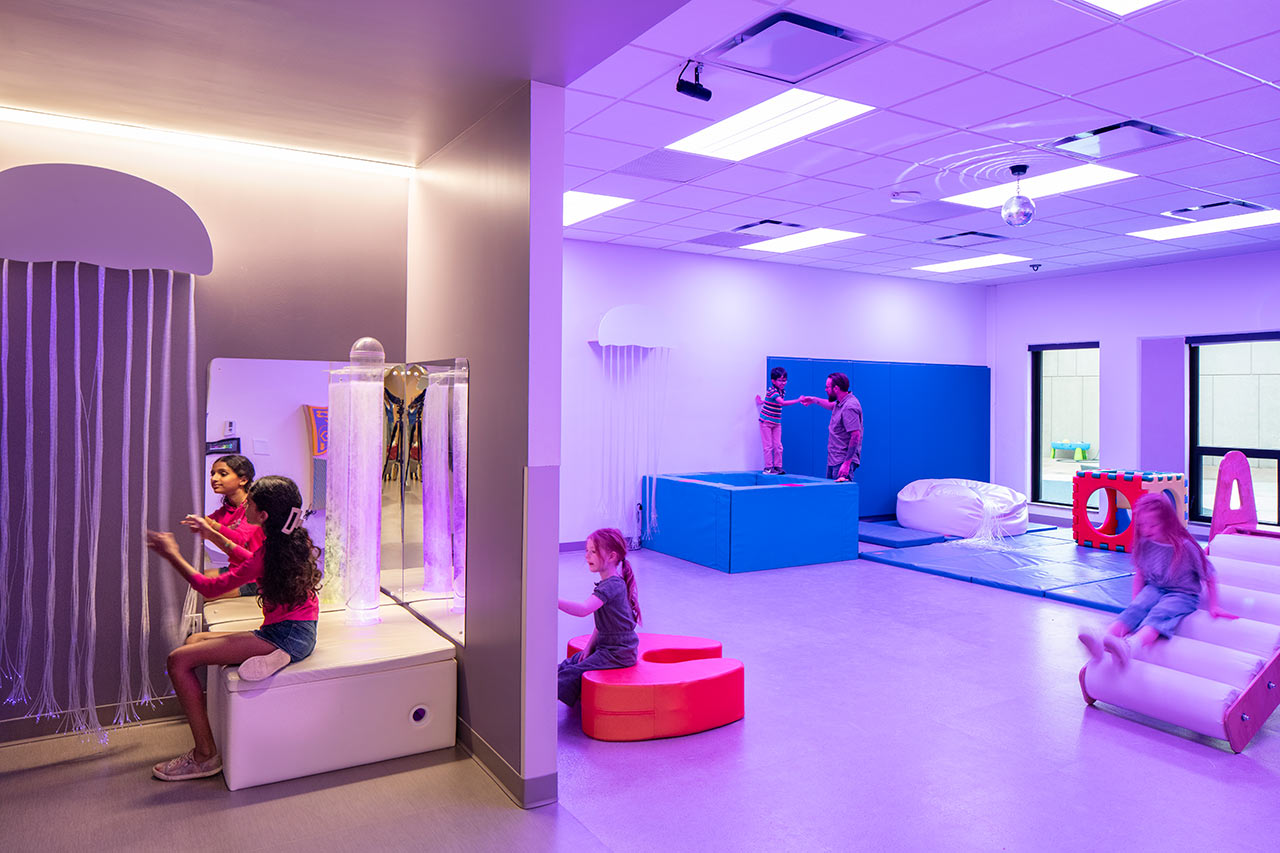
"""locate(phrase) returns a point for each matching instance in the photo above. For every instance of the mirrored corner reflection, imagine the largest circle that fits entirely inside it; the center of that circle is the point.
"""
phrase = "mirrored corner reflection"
(425, 490)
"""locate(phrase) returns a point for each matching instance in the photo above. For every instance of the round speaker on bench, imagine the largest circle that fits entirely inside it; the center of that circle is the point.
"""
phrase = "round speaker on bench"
(420, 715)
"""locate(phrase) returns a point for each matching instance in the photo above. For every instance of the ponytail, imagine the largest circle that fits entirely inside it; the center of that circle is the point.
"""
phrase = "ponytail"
(632, 596)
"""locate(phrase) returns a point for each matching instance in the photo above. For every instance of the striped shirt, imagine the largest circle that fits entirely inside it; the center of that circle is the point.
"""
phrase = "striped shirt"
(771, 408)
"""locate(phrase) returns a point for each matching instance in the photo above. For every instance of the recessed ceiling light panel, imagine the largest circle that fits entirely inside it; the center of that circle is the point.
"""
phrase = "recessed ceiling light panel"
(1212, 226)
(971, 263)
(803, 240)
(1040, 186)
(781, 119)
(789, 47)
(1114, 140)
(579, 206)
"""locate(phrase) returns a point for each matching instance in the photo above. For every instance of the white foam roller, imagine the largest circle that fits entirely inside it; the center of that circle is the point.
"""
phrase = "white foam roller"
(1246, 574)
(1196, 657)
(1250, 604)
(1257, 549)
(1185, 700)
(1246, 635)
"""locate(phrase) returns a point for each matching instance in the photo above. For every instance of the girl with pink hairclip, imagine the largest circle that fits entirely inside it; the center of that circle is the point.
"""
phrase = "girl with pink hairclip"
(1169, 570)
(285, 569)
(616, 608)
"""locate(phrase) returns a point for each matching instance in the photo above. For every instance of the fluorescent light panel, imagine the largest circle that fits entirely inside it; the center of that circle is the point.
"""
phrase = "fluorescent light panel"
(777, 121)
(971, 263)
(1122, 7)
(201, 141)
(579, 206)
(1211, 226)
(803, 240)
(1040, 186)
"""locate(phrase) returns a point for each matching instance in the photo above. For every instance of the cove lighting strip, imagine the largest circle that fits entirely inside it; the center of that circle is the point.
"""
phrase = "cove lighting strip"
(971, 263)
(777, 121)
(1039, 186)
(802, 240)
(201, 141)
(1210, 226)
(579, 206)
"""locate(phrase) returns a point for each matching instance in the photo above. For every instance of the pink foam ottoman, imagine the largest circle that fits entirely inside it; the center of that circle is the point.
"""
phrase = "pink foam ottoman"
(679, 686)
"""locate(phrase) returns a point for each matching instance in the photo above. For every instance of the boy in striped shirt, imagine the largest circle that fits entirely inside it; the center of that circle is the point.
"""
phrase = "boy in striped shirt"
(771, 420)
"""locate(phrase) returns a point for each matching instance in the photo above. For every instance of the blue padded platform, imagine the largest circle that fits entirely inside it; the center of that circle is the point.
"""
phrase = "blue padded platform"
(1032, 563)
(895, 535)
(744, 521)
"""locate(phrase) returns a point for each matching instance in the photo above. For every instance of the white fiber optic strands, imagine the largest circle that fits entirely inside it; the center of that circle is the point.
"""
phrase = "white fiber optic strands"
(191, 616)
(147, 692)
(75, 718)
(361, 442)
(45, 703)
(6, 660)
(336, 492)
(95, 524)
(437, 549)
(458, 437)
(18, 694)
(125, 711)
(165, 503)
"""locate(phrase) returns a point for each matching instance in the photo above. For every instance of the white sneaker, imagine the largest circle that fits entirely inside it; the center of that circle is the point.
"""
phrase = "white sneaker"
(264, 666)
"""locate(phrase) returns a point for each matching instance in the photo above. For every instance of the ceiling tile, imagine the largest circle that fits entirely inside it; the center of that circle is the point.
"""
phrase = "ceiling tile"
(1099, 58)
(1126, 190)
(700, 24)
(1050, 122)
(1082, 218)
(887, 20)
(1176, 155)
(580, 106)
(1001, 31)
(583, 234)
(701, 198)
(1147, 249)
(1260, 57)
(575, 175)
(975, 101)
(758, 207)
(812, 191)
(1253, 236)
(731, 93)
(1219, 115)
(640, 124)
(824, 217)
(1209, 25)
(697, 248)
(626, 186)
(646, 212)
(1173, 201)
(647, 242)
(1174, 86)
(806, 158)
(1235, 169)
(677, 233)
(714, 220)
(627, 70)
(1256, 138)
(612, 225)
(954, 151)
(881, 131)
(745, 179)
(888, 76)
(874, 172)
(580, 150)
(1249, 189)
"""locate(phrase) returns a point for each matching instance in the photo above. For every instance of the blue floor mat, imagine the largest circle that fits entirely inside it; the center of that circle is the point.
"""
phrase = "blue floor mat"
(1031, 564)
(895, 535)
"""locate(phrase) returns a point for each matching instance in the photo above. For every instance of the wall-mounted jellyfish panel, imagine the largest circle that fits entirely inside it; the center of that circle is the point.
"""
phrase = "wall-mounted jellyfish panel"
(1118, 493)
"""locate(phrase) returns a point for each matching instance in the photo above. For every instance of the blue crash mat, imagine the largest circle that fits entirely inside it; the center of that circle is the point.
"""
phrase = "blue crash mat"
(1031, 564)
(895, 535)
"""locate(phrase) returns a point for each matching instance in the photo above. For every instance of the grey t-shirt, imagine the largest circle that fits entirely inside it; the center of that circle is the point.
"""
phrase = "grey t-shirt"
(846, 419)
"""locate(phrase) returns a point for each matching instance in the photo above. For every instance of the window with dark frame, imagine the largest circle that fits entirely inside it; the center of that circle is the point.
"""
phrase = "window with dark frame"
(1064, 417)
(1235, 405)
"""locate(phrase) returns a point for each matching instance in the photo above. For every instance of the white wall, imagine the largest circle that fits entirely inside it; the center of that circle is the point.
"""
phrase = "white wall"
(1117, 309)
(728, 315)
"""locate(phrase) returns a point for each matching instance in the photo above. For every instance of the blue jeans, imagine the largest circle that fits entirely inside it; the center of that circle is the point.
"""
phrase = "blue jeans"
(833, 471)
(1158, 608)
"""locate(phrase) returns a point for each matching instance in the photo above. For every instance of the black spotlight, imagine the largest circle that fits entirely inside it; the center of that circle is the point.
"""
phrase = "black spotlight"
(694, 89)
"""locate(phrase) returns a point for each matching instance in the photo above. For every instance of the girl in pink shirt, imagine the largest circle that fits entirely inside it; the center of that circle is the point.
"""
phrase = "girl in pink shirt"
(285, 569)
(231, 477)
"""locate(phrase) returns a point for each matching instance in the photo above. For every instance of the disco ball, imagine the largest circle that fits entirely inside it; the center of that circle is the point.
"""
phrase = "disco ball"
(1018, 211)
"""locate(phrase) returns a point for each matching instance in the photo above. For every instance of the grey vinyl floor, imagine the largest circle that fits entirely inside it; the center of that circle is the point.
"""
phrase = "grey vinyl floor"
(886, 710)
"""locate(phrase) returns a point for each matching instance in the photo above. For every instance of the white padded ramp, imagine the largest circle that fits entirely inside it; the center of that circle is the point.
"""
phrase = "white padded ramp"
(957, 507)
(1196, 657)
(1250, 604)
(1243, 546)
(1242, 573)
(1246, 635)
(1185, 700)
(224, 610)
(367, 693)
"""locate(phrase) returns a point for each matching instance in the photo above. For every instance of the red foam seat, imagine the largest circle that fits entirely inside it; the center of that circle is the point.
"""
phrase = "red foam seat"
(679, 686)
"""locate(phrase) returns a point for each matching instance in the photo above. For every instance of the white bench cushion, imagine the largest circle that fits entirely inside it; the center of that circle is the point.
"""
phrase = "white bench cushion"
(223, 610)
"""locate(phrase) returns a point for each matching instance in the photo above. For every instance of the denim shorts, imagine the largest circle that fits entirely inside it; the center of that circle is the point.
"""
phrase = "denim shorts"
(297, 638)
(1158, 608)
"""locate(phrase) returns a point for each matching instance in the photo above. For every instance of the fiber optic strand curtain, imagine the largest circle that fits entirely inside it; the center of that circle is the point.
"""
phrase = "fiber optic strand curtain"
(98, 441)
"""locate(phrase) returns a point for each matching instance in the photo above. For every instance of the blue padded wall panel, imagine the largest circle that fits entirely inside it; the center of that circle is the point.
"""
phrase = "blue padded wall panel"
(796, 526)
(798, 422)
(692, 523)
(872, 382)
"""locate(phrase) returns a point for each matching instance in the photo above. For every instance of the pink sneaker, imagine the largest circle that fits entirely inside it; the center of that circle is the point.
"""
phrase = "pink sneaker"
(264, 666)
(186, 767)
(1118, 647)
(1091, 643)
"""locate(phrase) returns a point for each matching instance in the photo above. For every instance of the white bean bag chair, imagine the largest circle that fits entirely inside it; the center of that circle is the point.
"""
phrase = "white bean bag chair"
(956, 507)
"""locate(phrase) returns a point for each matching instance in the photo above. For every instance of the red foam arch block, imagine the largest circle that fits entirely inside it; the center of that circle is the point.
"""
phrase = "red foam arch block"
(679, 686)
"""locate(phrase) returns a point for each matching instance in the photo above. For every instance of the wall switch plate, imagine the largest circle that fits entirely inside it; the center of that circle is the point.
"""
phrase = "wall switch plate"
(230, 430)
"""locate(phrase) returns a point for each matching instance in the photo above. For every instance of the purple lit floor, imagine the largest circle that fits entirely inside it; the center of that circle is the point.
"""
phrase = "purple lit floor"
(893, 710)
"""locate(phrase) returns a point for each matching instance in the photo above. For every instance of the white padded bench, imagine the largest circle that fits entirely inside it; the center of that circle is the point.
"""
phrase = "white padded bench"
(367, 693)
(223, 610)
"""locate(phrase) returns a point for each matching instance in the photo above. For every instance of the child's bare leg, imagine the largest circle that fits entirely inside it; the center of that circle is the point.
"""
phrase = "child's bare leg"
(1147, 636)
(1117, 629)
(225, 648)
